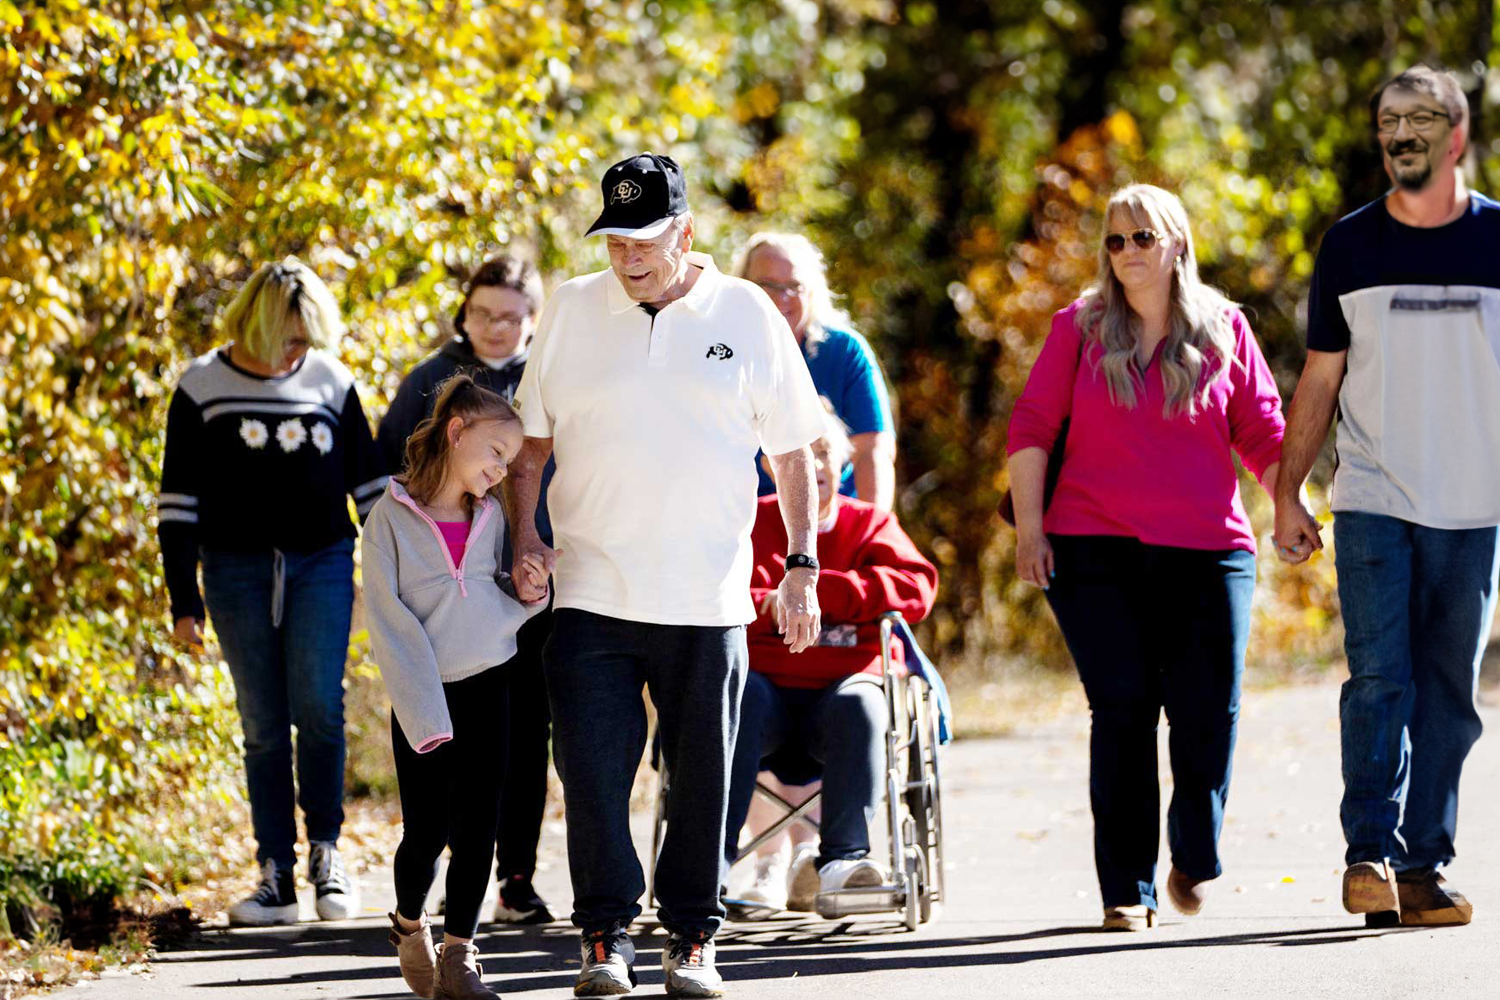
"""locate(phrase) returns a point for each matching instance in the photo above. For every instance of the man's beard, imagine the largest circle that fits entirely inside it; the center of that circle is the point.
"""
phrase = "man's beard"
(1416, 176)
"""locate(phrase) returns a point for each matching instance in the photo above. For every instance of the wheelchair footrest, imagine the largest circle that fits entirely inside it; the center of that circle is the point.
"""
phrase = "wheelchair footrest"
(865, 899)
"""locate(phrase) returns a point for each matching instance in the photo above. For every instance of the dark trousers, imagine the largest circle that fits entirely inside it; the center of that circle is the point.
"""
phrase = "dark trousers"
(1417, 605)
(524, 796)
(842, 726)
(283, 623)
(450, 797)
(596, 667)
(1150, 628)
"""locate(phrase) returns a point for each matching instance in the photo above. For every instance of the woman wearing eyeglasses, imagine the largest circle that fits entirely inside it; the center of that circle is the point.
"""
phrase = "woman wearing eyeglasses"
(494, 326)
(1153, 381)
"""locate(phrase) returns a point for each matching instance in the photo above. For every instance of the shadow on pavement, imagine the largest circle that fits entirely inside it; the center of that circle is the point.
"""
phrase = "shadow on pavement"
(520, 960)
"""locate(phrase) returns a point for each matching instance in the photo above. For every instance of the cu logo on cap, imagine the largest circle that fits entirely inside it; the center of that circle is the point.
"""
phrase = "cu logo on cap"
(625, 192)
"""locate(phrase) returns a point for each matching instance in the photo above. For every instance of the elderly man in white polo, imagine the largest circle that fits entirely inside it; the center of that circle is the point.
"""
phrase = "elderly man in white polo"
(654, 382)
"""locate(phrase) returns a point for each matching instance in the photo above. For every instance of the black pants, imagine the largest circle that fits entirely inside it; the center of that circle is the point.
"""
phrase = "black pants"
(524, 797)
(1152, 628)
(450, 797)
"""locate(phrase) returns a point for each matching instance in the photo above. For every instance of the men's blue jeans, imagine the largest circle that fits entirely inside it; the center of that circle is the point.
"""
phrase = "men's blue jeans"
(283, 623)
(596, 667)
(1417, 605)
(842, 726)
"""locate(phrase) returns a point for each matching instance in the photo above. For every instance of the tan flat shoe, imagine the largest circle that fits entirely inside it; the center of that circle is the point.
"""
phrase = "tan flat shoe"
(1187, 894)
(1370, 887)
(1425, 903)
(1129, 918)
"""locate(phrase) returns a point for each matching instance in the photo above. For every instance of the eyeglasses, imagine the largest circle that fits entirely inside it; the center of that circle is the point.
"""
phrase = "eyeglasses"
(486, 318)
(779, 288)
(1420, 121)
(1144, 239)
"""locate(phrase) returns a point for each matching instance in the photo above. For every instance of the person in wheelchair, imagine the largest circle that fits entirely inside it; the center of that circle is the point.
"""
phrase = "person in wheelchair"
(827, 702)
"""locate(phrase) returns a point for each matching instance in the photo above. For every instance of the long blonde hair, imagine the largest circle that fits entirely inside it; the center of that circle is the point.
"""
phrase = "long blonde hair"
(278, 302)
(1200, 335)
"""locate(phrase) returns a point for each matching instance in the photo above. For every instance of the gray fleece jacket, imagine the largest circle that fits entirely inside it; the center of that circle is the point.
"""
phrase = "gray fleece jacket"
(432, 622)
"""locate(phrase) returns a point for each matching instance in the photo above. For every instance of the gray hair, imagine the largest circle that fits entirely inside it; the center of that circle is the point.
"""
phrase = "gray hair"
(808, 265)
(836, 433)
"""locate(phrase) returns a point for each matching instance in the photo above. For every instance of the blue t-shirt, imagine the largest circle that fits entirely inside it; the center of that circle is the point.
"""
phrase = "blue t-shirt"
(845, 371)
(1418, 310)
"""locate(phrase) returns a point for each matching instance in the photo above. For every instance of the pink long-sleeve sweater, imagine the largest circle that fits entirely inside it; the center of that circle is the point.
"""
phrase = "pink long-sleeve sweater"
(1135, 472)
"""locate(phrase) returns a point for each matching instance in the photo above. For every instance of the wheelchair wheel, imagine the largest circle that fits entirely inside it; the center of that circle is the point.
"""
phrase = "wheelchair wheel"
(922, 802)
(937, 869)
(916, 888)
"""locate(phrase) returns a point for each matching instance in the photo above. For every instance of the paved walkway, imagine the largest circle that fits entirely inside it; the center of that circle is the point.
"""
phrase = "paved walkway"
(1024, 905)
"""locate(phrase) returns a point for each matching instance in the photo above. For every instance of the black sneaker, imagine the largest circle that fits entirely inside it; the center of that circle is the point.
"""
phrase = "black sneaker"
(338, 896)
(273, 902)
(608, 960)
(518, 903)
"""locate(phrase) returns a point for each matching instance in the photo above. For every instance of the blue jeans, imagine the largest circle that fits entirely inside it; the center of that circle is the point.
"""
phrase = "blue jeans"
(283, 623)
(1417, 605)
(843, 727)
(596, 667)
(1153, 627)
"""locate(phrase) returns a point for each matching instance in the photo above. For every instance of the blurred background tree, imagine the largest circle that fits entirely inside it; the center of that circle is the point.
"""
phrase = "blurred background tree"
(950, 157)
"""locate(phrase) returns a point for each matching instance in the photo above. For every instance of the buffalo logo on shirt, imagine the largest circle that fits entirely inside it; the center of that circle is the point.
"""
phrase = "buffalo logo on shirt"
(625, 192)
(720, 351)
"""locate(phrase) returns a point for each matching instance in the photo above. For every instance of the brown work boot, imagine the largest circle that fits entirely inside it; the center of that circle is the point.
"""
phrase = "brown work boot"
(1424, 901)
(1187, 894)
(418, 959)
(1370, 887)
(458, 974)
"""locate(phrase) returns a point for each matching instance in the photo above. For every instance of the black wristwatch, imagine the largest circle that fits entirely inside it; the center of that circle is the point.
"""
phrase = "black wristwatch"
(799, 560)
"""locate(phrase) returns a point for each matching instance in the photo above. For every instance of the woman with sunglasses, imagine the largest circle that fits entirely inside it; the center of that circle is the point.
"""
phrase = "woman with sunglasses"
(1152, 381)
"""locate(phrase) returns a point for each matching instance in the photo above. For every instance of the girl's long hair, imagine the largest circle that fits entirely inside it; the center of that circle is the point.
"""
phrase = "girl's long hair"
(1200, 339)
(428, 449)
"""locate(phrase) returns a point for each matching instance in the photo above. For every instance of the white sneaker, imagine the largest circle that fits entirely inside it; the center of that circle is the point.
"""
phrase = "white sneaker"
(802, 879)
(338, 896)
(849, 873)
(608, 957)
(273, 902)
(689, 968)
(769, 887)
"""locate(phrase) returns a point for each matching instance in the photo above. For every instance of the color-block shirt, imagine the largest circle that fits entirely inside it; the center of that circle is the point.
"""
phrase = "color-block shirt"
(1418, 310)
(1135, 472)
(255, 463)
(655, 421)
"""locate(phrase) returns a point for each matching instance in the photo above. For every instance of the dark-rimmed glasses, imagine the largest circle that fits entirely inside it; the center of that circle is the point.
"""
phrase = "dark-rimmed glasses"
(1144, 239)
(1420, 121)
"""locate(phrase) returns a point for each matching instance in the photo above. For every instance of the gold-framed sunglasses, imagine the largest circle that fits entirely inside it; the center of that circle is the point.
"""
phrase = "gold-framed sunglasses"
(1144, 239)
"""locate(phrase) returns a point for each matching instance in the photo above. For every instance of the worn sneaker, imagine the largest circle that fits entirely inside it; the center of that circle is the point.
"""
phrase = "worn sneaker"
(1370, 887)
(417, 956)
(338, 897)
(849, 873)
(458, 974)
(1139, 917)
(1425, 902)
(273, 902)
(518, 903)
(769, 888)
(608, 957)
(689, 968)
(1187, 894)
(802, 880)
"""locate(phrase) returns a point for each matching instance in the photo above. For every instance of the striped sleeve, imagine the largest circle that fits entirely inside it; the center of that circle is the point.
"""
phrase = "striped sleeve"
(177, 506)
(364, 471)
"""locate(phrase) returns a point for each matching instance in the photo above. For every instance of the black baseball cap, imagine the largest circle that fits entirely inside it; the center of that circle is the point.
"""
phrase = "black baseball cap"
(642, 195)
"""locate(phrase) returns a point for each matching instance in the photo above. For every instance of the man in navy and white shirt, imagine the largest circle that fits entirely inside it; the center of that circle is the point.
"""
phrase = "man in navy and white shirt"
(655, 381)
(1404, 340)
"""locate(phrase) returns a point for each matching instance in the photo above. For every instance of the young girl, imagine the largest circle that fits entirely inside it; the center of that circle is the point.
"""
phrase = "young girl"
(441, 617)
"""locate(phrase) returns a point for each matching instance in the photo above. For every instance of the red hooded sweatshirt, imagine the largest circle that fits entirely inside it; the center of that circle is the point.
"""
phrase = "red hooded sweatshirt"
(868, 567)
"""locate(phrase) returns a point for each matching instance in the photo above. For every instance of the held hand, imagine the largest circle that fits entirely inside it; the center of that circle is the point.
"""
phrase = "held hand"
(534, 562)
(797, 615)
(1297, 534)
(188, 632)
(1034, 562)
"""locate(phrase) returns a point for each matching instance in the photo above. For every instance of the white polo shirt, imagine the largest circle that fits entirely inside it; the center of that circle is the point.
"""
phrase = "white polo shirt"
(655, 423)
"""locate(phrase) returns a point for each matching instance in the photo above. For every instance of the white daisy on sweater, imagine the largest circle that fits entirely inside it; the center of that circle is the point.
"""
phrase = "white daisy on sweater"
(290, 434)
(254, 433)
(322, 437)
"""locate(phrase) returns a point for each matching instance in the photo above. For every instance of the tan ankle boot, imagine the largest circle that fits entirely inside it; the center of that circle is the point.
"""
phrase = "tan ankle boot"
(418, 958)
(458, 974)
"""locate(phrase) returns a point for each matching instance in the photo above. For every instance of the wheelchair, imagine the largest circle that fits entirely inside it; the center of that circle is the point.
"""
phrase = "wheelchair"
(912, 806)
